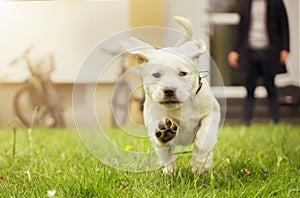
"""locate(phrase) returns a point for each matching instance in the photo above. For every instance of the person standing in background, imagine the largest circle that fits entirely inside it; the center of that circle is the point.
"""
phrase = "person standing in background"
(260, 49)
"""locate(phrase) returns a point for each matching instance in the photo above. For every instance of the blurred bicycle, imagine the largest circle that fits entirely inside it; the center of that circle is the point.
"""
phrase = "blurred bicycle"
(36, 104)
(128, 95)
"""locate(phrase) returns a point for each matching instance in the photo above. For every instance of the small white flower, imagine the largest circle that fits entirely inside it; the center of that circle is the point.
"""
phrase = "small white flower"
(279, 159)
(51, 193)
(27, 172)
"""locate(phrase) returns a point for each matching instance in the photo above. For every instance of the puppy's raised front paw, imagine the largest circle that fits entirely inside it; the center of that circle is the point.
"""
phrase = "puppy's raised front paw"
(166, 130)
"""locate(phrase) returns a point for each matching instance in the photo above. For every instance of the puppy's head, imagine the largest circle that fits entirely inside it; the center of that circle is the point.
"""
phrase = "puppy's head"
(170, 76)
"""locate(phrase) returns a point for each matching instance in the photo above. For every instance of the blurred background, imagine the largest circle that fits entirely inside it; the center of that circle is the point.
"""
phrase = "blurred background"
(70, 30)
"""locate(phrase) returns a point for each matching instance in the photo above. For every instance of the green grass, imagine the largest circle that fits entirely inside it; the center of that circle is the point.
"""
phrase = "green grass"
(258, 161)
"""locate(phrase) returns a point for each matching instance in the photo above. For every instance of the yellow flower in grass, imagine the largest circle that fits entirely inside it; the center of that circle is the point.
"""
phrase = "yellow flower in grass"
(227, 160)
(127, 147)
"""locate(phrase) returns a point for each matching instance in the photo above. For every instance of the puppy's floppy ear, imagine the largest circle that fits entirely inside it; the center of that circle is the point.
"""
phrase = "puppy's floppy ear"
(193, 49)
(138, 47)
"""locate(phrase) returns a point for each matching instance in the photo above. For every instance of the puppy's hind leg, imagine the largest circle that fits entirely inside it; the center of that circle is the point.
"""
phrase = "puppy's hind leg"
(205, 140)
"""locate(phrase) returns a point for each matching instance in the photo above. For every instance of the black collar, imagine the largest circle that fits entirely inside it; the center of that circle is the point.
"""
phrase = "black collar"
(199, 85)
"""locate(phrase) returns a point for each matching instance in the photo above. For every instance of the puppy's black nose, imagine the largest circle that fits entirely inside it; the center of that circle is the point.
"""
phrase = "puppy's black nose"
(169, 92)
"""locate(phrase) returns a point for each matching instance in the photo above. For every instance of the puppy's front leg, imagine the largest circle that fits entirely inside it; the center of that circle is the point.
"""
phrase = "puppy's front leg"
(166, 158)
(205, 140)
(165, 130)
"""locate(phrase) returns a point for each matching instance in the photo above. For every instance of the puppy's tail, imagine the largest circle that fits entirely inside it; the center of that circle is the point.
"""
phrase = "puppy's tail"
(186, 24)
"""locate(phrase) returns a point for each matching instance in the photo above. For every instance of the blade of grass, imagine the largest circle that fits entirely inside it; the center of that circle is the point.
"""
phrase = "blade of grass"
(14, 128)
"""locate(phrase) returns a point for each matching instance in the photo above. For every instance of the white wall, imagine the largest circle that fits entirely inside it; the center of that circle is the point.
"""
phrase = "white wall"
(70, 30)
(196, 12)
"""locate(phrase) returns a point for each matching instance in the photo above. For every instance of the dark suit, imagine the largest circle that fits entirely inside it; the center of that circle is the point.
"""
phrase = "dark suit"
(264, 63)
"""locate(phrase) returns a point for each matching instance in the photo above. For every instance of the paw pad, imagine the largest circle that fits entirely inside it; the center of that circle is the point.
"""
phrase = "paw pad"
(166, 130)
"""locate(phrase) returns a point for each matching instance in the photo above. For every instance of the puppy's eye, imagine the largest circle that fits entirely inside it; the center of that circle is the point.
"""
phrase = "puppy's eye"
(182, 73)
(156, 75)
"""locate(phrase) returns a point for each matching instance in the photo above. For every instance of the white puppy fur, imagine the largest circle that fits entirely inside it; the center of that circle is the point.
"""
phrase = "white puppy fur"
(179, 107)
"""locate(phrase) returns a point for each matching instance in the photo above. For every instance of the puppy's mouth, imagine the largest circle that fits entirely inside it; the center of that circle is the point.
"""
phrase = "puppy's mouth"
(172, 102)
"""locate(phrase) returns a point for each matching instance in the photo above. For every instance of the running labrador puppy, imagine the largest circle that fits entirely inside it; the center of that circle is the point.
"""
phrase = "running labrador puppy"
(179, 107)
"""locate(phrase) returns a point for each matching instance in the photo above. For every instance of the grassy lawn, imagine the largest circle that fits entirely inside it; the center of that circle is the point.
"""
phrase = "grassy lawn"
(258, 161)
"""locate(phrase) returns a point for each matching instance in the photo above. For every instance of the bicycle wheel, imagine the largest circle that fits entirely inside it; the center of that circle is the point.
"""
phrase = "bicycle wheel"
(56, 115)
(120, 100)
(33, 112)
(49, 118)
(54, 111)
(26, 105)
